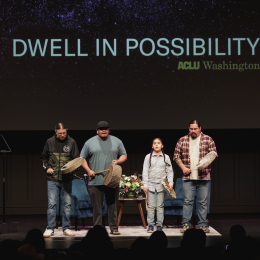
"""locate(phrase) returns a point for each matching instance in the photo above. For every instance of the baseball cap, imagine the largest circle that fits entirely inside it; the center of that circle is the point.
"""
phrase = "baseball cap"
(102, 124)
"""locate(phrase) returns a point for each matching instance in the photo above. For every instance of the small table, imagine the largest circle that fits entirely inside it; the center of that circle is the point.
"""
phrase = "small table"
(138, 201)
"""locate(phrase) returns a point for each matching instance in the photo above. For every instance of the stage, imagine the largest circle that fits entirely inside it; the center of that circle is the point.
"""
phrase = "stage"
(130, 232)
(131, 228)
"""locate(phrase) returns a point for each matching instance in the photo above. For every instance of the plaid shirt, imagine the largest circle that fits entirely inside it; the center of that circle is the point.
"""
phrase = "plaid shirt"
(182, 151)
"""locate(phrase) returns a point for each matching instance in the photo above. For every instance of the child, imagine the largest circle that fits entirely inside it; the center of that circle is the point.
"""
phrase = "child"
(157, 166)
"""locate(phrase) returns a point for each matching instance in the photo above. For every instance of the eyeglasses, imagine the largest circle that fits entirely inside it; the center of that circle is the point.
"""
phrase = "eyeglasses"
(64, 133)
(103, 128)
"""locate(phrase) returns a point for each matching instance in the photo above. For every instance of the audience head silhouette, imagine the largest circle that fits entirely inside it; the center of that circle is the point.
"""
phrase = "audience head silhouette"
(140, 244)
(91, 243)
(158, 240)
(194, 238)
(35, 239)
(237, 234)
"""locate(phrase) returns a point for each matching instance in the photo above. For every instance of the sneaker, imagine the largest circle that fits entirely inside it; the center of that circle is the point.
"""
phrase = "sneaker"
(68, 232)
(150, 229)
(48, 233)
(205, 229)
(159, 228)
(184, 227)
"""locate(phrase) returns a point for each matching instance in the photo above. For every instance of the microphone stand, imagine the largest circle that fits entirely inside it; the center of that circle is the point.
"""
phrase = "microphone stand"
(11, 227)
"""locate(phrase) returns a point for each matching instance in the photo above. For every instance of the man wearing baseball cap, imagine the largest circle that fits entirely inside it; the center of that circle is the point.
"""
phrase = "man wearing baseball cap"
(102, 150)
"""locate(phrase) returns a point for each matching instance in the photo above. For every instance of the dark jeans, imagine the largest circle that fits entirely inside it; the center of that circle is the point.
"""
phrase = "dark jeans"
(96, 194)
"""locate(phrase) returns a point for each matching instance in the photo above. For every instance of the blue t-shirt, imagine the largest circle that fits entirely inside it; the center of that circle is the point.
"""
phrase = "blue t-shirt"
(101, 154)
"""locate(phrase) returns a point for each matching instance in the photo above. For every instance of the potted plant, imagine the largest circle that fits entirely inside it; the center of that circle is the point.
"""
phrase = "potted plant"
(130, 185)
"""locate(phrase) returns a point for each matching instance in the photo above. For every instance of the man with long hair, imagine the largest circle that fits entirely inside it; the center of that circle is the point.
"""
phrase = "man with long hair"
(189, 150)
(59, 150)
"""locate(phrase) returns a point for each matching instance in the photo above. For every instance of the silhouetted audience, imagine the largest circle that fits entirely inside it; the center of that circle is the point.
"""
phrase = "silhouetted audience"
(27, 252)
(9, 249)
(158, 240)
(235, 249)
(193, 238)
(252, 248)
(36, 240)
(140, 244)
(139, 249)
(98, 245)
(60, 255)
(241, 247)
(76, 247)
(237, 234)
(75, 256)
(193, 245)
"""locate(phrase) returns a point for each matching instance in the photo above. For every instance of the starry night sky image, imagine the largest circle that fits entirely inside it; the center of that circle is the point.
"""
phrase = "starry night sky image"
(130, 92)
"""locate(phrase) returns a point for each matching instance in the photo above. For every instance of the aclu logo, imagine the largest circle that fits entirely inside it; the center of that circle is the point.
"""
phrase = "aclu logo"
(188, 65)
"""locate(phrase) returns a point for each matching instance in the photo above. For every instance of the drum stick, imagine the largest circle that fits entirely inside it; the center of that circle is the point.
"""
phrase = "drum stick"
(146, 201)
(64, 167)
(102, 171)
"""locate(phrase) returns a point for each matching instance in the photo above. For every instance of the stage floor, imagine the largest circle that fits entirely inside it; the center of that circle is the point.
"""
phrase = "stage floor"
(130, 231)
(132, 228)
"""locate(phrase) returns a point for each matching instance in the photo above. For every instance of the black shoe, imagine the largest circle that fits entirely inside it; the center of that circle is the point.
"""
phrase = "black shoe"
(150, 229)
(114, 232)
(159, 228)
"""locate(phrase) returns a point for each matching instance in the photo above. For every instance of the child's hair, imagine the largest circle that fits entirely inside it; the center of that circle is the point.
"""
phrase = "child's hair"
(162, 152)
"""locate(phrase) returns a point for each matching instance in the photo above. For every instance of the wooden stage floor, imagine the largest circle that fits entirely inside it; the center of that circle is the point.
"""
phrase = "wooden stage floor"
(131, 228)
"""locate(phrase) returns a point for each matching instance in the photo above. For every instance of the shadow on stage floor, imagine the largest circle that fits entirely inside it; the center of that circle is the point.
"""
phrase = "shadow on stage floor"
(131, 228)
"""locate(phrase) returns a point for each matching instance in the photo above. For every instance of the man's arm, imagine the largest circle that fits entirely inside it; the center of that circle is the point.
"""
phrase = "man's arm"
(88, 170)
(84, 154)
(123, 156)
(212, 146)
(177, 158)
(184, 169)
(121, 159)
(45, 160)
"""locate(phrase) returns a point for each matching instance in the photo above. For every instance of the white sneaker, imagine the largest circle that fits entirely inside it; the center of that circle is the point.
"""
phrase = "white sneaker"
(68, 232)
(48, 233)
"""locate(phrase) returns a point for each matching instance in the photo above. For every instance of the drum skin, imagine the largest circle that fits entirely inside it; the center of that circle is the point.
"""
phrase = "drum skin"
(170, 193)
(113, 176)
(72, 165)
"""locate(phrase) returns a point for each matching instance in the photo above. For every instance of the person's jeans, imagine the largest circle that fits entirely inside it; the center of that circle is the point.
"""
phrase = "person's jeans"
(189, 190)
(53, 191)
(155, 201)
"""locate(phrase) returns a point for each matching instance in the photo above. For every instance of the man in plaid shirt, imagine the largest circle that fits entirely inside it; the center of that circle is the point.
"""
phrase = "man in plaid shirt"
(189, 150)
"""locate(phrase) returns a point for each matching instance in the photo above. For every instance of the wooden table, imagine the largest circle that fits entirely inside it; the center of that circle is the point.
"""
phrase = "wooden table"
(138, 201)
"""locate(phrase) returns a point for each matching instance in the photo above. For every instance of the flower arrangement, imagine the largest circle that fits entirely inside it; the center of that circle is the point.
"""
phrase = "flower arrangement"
(130, 184)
